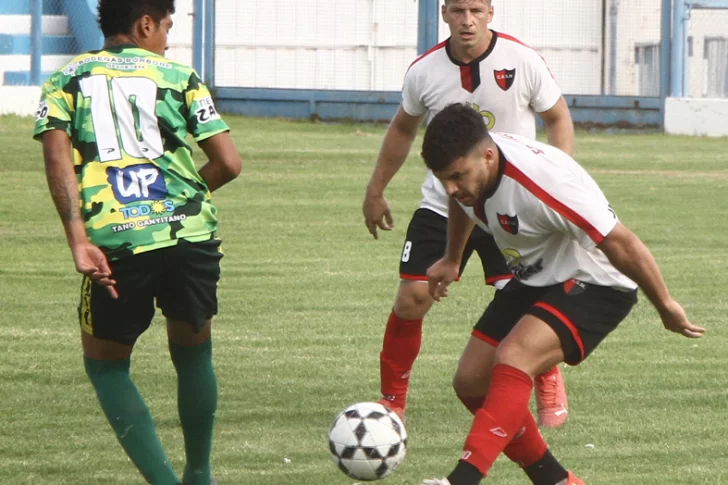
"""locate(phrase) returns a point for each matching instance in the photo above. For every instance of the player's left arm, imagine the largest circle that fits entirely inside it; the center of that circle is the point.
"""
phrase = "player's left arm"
(631, 256)
(559, 126)
(547, 101)
(212, 134)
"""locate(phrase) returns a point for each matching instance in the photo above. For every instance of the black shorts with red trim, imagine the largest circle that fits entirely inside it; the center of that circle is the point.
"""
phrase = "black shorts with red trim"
(581, 314)
(426, 242)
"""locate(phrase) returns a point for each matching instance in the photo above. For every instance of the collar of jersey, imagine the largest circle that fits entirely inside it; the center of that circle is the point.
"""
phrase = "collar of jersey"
(501, 168)
(117, 48)
(477, 59)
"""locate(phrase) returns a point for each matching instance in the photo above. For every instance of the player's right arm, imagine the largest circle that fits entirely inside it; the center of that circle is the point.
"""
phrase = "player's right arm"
(447, 269)
(53, 129)
(397, 142)
(63, 185)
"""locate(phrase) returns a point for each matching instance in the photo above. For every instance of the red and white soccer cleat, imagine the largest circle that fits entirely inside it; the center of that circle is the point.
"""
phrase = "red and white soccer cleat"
(551, 402)
(574, 480)
(394, 408)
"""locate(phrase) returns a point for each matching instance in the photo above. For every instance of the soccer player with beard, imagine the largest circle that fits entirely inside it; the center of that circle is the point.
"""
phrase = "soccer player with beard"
(578, 265)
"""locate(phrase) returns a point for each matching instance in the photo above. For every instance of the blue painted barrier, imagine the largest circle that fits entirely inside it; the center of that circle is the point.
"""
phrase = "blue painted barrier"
(22, 7)
(20, 44)
(82, 21)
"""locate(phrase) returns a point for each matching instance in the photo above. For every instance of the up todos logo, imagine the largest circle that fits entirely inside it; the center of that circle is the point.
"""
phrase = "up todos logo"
(143, 182)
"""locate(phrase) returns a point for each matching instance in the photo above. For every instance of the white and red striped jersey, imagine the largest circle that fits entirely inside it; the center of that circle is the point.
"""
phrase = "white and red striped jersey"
(547, 215)
(508, 85)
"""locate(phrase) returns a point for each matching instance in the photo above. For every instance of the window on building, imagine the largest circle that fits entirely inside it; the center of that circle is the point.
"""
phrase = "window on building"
(647, 59)
(715, 57)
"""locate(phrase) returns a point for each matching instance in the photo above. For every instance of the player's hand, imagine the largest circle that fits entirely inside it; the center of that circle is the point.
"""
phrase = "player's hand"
(377, 214)
(674, 319)
(91, 262)
(440, 275)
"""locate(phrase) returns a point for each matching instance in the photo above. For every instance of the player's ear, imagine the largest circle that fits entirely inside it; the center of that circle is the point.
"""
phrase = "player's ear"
(488, 152)
(146, 26)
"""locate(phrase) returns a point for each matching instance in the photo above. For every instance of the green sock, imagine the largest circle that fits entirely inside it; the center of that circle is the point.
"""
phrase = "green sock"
(129, 416)
(197, 401)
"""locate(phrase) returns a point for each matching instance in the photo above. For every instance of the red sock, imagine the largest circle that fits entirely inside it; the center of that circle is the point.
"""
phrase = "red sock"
(402, 341)
(501, 417)
(526, 447)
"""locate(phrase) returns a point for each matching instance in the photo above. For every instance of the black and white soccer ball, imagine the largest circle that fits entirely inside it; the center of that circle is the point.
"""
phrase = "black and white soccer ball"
(367, 441)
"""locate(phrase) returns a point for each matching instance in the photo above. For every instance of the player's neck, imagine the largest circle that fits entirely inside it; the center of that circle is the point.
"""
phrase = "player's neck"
(467, 55)
(117, 40)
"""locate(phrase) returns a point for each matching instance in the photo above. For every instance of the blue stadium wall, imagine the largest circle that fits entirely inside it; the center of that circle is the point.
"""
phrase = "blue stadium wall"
(588, 112)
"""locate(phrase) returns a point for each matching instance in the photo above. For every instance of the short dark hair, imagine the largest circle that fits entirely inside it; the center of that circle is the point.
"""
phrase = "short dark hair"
(452, 133)
(118, 16)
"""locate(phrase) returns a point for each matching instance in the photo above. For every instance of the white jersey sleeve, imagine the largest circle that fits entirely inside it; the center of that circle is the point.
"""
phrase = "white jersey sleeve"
(545, 91)
(412, 101)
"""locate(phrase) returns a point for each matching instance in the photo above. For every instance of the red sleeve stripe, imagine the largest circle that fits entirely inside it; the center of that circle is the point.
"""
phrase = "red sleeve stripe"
(432, 49)
(565, 320)
(576, 219)
(513, 39)
(501, 35)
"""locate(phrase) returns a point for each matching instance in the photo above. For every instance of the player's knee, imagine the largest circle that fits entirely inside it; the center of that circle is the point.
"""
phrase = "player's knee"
(471, 392)
(468, 384)
(413, 301)
(515, 353)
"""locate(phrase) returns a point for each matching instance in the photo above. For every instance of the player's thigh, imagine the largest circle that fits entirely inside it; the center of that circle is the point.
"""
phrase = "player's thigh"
(112, 322)
(532, 346)
(504, 311)
(424, 245)
(472, 376)
(495, 268)
(582, 315)
(188, 292)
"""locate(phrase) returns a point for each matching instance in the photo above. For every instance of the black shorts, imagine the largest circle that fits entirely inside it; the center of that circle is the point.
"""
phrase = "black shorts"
(182, 278)
(426, 242)
(582, 315)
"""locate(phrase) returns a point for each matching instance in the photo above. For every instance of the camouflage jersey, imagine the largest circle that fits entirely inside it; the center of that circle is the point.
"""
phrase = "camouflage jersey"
(128, 112)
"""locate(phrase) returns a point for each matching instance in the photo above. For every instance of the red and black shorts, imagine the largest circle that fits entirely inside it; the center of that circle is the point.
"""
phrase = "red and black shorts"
(426, 242)
(182, 279)
(581, 314)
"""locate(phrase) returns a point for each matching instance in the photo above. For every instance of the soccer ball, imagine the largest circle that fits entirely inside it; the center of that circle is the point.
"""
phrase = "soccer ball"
(367, 441)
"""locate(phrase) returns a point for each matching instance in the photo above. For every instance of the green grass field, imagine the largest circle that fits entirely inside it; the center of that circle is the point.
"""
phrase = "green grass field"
(303, 301)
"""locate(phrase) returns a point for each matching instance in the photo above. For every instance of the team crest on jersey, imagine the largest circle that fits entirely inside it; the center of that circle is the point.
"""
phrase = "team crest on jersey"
(508, 223)
(504, 78)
